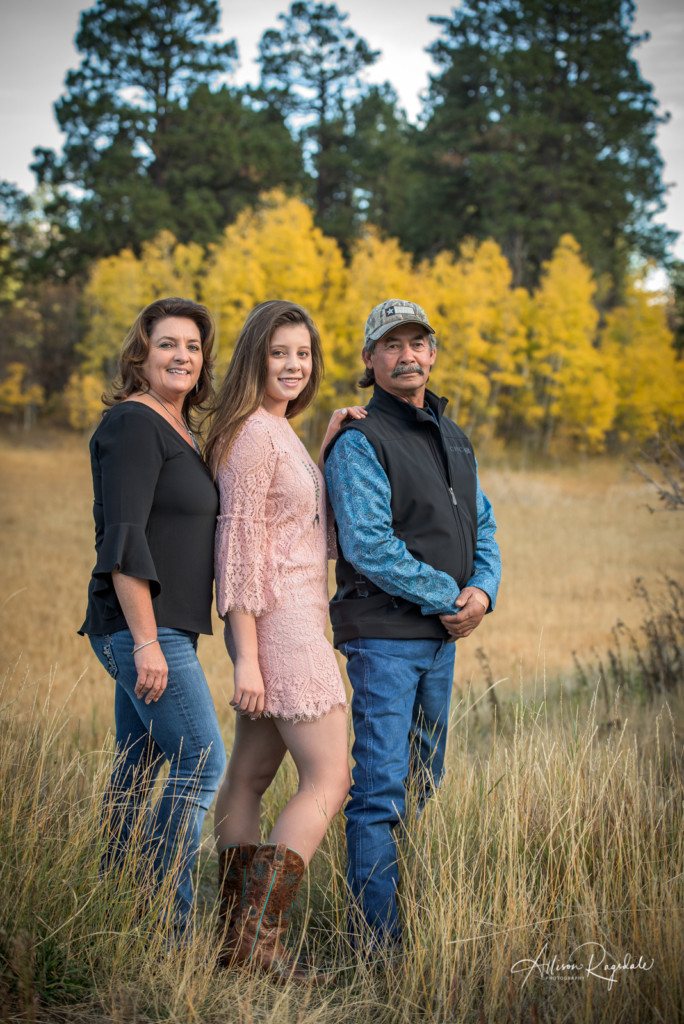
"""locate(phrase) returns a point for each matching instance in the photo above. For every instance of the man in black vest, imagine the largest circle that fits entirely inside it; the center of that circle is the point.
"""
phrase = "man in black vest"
(418, 569)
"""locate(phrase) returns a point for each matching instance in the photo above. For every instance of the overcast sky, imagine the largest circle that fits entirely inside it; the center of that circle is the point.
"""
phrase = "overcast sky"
(36, 50)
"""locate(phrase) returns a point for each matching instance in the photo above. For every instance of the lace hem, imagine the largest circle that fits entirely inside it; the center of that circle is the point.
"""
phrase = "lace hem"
(308, 716)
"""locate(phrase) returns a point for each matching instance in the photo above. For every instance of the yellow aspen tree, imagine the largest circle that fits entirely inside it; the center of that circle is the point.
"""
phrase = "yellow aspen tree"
(378, 270)
(275, 251)
(572, 381)
(235, 281)
(17, 399)
(83, 400)
(170, 268)
(120, 286)
(481, 337)
(650, 378)
(10, 280)
(272, 251)
(112, 298)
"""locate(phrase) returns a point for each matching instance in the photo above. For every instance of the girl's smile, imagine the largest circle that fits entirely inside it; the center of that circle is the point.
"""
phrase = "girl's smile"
(289, 367)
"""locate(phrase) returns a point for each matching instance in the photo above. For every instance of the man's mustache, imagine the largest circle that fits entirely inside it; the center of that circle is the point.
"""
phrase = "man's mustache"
(400, 370)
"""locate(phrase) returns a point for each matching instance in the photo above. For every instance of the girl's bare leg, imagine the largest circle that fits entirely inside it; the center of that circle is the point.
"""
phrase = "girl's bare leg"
(257, 752)
(319, 751)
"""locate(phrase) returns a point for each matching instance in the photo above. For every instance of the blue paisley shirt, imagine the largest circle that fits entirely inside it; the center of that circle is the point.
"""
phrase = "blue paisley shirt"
(368, 542)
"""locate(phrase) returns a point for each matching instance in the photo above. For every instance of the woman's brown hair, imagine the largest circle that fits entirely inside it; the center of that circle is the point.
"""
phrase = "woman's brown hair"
(243, 387)
(136, 346)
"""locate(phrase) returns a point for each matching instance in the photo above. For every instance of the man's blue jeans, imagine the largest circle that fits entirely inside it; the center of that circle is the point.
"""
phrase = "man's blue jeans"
(180, 727)
(400, 710)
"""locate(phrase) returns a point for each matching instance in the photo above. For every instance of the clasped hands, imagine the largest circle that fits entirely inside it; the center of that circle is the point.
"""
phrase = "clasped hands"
(472, 603)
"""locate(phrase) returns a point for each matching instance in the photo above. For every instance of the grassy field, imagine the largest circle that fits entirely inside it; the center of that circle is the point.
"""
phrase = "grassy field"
(573, 541)
(543, 883)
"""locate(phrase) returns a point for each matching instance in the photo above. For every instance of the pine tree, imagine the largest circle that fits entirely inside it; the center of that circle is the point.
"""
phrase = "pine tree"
(381, 143)
(310, 70)
(141, 59)
(539, 123)
(250, 151)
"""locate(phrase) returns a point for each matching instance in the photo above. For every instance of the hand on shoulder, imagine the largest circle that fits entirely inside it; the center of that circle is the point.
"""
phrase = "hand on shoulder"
(340, 417)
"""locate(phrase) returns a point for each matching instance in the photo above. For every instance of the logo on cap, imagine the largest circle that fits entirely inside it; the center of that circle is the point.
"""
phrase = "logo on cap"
(391, 312)
(400, 311)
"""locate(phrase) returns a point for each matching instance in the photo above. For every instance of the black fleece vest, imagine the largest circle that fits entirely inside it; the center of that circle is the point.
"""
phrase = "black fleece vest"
(431, 469)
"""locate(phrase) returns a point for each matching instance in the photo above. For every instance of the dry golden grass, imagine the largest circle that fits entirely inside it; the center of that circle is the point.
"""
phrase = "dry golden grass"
(557, 837)
(572, 543)
(543, 883)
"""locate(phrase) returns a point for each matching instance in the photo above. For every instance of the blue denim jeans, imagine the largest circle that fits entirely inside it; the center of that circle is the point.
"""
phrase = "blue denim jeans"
(400, 710)
(182, 728)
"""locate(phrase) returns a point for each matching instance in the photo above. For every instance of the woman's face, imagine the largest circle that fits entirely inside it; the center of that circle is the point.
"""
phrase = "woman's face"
(289, 367)
(174, 359)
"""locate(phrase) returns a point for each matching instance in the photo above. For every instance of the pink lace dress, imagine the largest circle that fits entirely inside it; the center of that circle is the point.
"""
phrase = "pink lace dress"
(271, 561)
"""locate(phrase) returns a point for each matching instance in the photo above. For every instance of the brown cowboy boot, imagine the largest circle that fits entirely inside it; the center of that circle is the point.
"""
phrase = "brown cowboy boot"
(267, 908)
(234, 866)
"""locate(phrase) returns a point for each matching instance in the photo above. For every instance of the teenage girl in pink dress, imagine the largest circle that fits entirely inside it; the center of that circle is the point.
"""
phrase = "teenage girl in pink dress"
(271, 585)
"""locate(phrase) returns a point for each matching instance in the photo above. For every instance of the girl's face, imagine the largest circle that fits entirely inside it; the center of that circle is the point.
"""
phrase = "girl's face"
(289, 367)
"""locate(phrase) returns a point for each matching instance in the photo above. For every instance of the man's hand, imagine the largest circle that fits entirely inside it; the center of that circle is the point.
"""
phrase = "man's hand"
(473, 603)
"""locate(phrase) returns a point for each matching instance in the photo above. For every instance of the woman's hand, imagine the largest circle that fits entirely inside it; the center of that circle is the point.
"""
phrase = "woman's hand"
(153, 672)
(248, 698)
(338, 418)
(136, 604)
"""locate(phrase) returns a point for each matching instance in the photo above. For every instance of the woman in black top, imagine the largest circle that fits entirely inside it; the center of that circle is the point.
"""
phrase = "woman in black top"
(150, 594)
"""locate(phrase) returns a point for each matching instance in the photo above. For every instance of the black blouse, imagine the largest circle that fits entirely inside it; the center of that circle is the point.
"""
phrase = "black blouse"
(155, 507)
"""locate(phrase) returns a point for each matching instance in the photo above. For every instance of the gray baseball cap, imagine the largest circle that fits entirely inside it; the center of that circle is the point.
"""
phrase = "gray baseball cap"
(390, 313)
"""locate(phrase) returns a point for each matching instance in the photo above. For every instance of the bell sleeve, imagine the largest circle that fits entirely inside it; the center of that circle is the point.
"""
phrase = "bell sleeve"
(246, 576)
(129, 455)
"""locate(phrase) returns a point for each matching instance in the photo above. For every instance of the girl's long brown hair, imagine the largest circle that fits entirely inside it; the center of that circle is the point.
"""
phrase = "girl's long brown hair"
(243, 387)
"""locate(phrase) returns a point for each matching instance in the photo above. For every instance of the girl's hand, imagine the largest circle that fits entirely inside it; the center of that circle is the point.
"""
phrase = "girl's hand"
(248, 698)
(153, 673)
(338, 418)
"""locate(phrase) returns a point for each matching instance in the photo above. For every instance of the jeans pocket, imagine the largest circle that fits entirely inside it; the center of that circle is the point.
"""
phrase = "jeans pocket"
(102, 646)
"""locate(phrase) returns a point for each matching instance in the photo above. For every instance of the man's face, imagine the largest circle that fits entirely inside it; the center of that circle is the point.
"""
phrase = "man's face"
(401, 362)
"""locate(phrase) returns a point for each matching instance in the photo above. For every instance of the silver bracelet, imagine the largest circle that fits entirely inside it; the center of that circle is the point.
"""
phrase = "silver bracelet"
(146, 644)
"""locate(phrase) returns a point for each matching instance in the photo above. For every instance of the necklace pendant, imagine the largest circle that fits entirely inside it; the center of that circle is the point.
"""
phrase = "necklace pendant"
(181, 422)
(314, 478)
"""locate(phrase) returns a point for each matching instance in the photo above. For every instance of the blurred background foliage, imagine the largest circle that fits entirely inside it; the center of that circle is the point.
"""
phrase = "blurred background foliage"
(519, 211)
